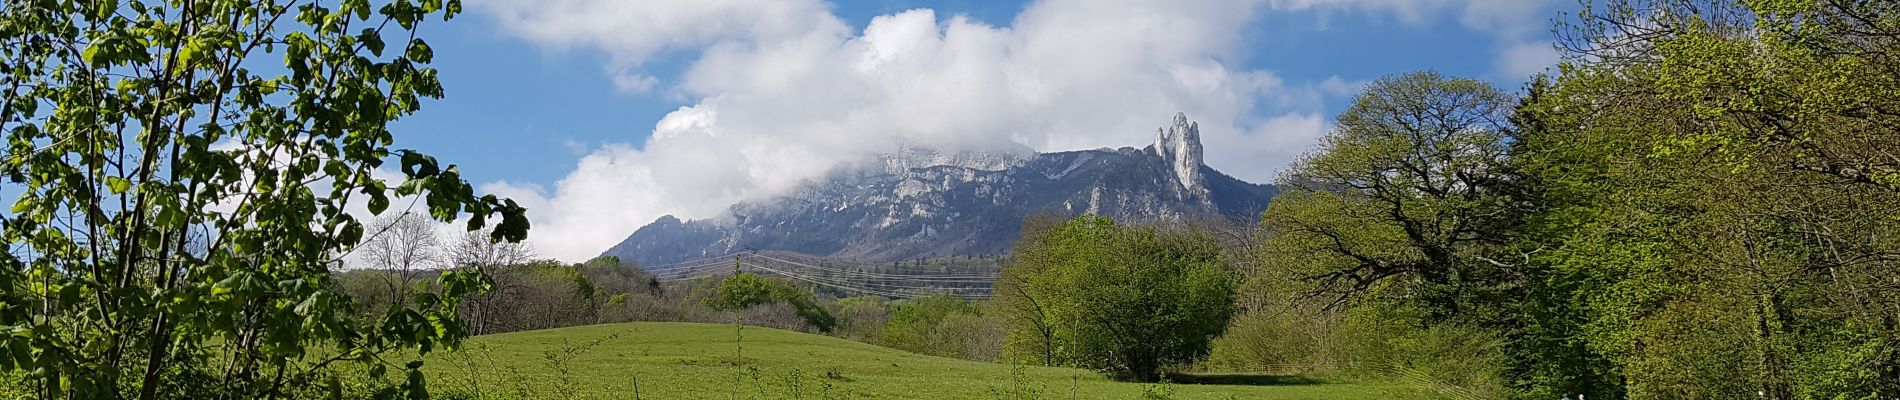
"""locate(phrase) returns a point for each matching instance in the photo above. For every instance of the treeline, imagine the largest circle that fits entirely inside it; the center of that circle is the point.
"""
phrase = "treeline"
(545, 294)
(528, 293)
(1702, 203)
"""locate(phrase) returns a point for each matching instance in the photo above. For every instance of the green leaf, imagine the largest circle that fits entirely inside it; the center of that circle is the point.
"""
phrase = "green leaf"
(171, 216)
(118, 185)
(372, 39)
(226, 286)
(378, 202)
(417, 386)
(91, 53)
(420, 51)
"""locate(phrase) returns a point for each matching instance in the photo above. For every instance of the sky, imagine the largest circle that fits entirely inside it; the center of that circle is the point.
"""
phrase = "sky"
(603, 115)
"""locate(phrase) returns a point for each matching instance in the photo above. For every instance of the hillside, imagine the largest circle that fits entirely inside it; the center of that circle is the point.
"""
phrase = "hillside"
(694, 361)
(925, 203)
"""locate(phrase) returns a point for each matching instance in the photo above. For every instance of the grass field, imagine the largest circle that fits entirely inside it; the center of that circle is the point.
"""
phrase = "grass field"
(696, 361)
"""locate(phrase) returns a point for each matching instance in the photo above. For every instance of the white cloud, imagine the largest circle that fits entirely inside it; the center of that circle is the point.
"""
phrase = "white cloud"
(1523, 60)
(784, 91)
(1508, 19)
(633, 31)
(633, 82)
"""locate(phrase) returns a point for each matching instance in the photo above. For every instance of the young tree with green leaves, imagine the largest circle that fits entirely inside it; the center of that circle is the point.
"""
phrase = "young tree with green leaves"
(1132, 300)
(186, 171)
(746, 290)
(1031, 335)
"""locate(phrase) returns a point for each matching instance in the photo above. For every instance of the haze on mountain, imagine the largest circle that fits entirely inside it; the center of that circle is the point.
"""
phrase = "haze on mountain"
(922, 202)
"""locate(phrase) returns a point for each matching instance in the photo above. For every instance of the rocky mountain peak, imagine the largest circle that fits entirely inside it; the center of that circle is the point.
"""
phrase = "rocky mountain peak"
(919, 202)
(1180, 146)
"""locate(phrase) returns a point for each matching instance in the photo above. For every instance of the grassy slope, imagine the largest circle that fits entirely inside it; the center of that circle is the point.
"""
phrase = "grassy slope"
(694, 361)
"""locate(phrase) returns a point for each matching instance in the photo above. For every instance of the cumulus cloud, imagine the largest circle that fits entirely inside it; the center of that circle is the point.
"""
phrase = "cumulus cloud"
(784, 91)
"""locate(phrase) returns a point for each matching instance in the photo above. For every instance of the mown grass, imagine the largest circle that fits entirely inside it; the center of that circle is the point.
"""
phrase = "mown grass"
(696, 361)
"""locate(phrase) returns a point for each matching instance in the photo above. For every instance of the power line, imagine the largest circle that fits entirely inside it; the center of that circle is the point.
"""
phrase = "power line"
(848, 287)
(984, 277)
(865, 266)
(861, 279)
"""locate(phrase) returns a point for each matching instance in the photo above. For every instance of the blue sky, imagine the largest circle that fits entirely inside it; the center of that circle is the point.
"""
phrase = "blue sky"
(521, 112)
(602, 115)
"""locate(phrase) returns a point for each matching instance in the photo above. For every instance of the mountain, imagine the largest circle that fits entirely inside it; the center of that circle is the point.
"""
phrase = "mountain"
(917, 203)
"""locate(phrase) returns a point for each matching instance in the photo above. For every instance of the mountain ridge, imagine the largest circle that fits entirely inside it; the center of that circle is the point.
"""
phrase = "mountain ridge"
(918, 202)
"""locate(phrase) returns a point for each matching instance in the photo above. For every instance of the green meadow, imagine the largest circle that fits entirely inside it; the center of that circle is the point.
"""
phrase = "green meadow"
(667, 360)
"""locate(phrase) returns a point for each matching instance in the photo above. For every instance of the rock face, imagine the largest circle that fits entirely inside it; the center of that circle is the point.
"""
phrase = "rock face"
(917, 202)
(1180, 146)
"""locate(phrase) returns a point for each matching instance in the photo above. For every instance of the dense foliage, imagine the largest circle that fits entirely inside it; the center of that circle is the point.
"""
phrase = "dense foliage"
(1131, 300)
(1701, 204)
(186, 171)
(1723, 196)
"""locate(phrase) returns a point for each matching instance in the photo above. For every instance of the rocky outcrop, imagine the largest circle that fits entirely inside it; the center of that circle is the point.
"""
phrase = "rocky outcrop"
(1179, 146)
(918, 202)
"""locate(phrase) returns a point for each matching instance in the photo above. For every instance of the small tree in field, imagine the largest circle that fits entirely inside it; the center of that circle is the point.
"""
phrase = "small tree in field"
(1128, 300)
(183, 171)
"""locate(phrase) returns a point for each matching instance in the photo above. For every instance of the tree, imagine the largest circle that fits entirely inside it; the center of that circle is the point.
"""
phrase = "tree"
(1414, 209)
(538, 295)
(740, 291)
(1412, 186)
(746, 290)
(914, 324)
(1031, 337)
(862, 318)
(1720, 185)
(804, 304)
(135, 128)
(1129, 300)
(401, 248)
(474, 250)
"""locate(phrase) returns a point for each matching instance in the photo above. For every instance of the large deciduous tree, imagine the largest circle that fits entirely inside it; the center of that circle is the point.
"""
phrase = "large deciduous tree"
(1414, 212)
(184, 171)
(1410, 195)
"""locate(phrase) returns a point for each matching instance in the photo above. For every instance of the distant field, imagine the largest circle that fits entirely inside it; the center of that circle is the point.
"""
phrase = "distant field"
(695, 361)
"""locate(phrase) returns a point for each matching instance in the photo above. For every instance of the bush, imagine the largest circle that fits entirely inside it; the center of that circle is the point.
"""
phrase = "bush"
(1388, 341)
(1281, 341)
(862, 318)
(940, 326)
